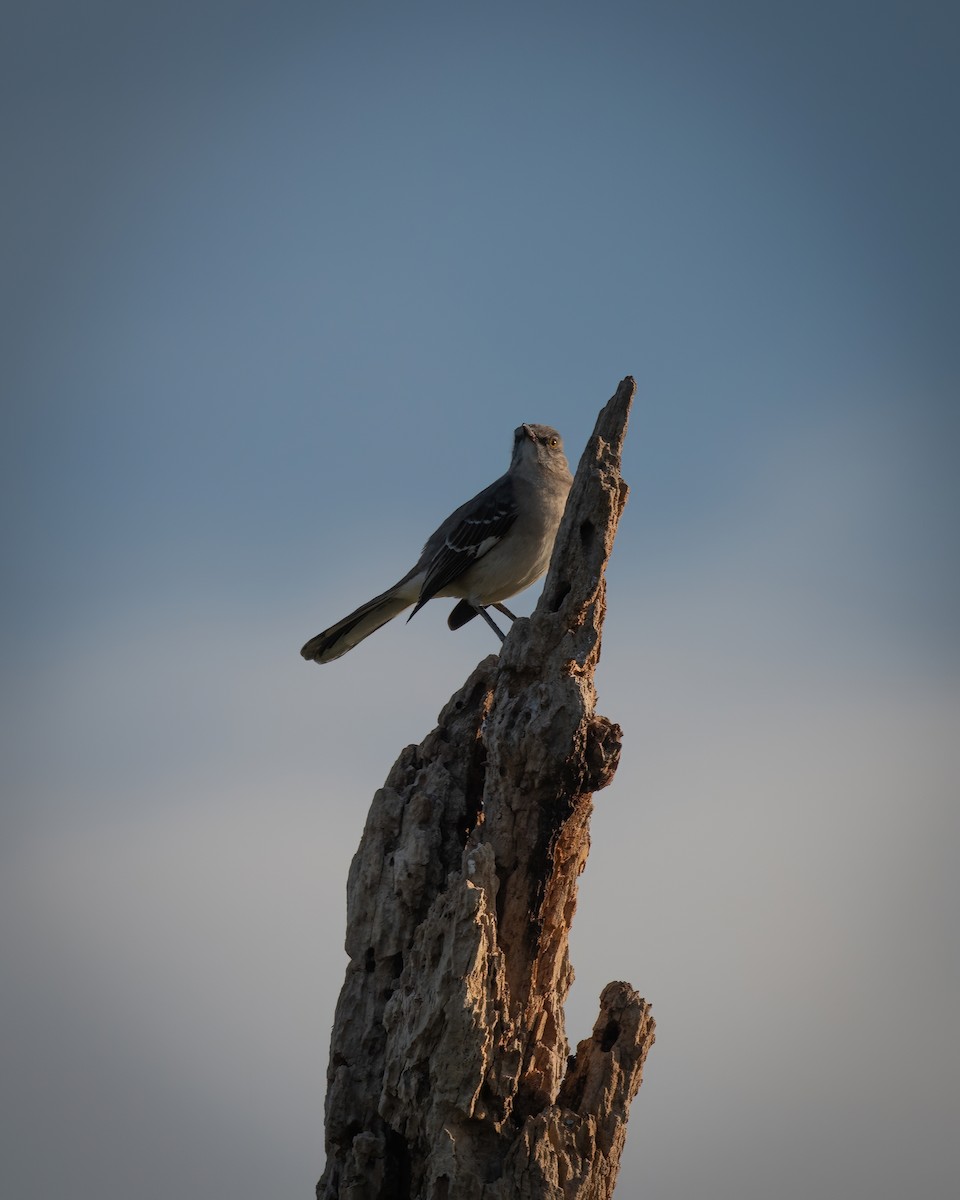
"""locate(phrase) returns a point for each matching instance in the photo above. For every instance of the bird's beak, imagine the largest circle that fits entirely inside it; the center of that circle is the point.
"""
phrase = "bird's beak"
(529, 432)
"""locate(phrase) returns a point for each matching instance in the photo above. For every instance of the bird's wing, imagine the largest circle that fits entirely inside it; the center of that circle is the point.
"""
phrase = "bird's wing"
(467, 535)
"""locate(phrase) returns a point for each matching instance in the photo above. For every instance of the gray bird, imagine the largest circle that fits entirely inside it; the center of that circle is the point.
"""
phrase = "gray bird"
(492, 547)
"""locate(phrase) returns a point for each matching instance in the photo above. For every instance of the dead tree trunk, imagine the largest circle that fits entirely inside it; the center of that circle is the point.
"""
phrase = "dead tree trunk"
(449, 1074)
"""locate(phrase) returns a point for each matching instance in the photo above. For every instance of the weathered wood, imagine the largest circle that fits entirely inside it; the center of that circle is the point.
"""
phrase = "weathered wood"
(449, 1073)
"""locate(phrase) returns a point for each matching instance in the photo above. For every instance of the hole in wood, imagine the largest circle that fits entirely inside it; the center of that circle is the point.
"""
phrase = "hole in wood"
(609, 1036)
(563, 590)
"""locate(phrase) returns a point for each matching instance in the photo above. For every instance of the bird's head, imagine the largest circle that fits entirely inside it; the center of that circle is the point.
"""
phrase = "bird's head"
(538, 444)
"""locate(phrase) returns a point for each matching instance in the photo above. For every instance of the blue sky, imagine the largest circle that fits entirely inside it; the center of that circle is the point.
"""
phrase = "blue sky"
(279, 282)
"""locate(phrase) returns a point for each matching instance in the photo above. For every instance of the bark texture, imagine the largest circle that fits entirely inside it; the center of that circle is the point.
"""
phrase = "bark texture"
(449, 1075)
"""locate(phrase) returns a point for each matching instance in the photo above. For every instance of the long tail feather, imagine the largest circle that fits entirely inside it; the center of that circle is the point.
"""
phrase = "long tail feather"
(363, 621)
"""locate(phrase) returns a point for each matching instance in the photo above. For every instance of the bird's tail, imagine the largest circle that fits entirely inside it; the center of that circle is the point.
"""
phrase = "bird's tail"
(363, 621)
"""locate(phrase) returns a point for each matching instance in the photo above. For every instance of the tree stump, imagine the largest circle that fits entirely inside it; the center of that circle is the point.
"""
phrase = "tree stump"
(449, 1075)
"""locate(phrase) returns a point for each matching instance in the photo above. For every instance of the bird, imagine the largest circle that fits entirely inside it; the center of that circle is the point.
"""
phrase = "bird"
(486, 551)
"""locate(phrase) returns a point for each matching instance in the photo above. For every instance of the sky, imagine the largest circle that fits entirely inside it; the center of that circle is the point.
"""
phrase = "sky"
(279, 281)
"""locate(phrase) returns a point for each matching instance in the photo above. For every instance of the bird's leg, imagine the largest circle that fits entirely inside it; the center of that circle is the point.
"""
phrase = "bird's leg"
(490, 621)
(506, 611)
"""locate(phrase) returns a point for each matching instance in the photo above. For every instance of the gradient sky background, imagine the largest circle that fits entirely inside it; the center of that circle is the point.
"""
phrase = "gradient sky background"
(279, 281)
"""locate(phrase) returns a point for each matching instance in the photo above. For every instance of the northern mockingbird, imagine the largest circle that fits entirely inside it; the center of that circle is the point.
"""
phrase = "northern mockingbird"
(492, 547)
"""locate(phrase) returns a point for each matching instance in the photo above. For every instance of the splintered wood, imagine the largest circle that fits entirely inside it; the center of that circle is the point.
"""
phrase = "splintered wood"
(450, 1074)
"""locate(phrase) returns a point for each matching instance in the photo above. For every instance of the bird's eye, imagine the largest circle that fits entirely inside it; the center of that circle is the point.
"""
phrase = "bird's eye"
(554, 443)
